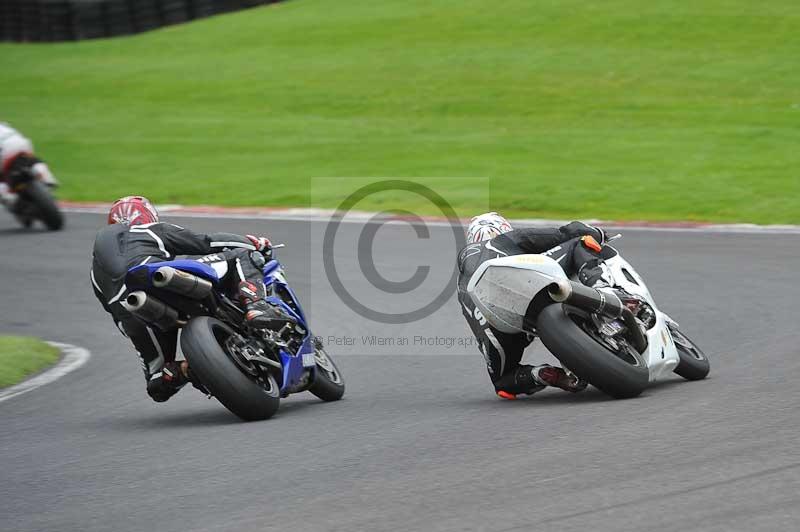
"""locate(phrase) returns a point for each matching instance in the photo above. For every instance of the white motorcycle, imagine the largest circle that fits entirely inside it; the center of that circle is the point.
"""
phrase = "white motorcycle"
(618, 345)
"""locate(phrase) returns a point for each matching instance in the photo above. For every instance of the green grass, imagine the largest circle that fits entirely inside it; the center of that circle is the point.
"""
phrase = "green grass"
(618, 109)
(21, 356)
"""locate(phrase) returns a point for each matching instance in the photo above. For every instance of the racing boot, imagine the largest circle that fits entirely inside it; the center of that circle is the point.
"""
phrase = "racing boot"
(260, 313)
(521, 381)
(595, 274)
(167, 382)
(559, 378)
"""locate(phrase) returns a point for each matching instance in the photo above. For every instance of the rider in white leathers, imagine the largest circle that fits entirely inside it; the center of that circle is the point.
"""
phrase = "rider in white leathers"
(16, 153)
(575, 246)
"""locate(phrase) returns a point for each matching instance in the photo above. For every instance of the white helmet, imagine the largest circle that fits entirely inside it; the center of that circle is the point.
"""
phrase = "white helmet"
(12, 144)
(486, 226)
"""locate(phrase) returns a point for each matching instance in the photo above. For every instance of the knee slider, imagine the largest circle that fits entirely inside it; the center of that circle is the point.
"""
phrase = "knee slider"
(521, 380)
(160, 390)
(160, 394)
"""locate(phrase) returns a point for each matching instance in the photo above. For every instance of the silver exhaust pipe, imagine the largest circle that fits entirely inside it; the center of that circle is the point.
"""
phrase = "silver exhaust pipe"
(583, 297)
(181, 282)
(150, 310)
(560, 290)
(593, 300)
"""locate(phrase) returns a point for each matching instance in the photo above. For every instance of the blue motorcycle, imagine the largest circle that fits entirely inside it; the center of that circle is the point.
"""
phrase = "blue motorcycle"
(247, 370)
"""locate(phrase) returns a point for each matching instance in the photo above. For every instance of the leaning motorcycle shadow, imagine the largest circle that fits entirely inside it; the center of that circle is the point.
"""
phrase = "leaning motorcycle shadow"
(14, 231)
(213, 416)
(593, 395)
(589, 395)
(171, 420)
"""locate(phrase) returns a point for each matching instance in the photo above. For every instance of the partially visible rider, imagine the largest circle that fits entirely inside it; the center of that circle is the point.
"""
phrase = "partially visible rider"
(135, 236)
(577, 247)
(17, 155)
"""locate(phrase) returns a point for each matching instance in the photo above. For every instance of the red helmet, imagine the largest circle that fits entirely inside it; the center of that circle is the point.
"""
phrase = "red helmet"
(132, 210)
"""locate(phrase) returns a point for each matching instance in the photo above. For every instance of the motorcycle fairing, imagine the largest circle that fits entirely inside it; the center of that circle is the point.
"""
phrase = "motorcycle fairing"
(504, 287)
(295, 366)
(661, 355)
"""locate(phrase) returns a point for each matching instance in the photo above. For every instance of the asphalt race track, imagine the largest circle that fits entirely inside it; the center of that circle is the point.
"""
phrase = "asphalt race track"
(420, 442)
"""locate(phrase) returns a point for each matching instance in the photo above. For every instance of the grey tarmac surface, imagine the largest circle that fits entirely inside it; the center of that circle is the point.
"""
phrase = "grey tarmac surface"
(420, 442)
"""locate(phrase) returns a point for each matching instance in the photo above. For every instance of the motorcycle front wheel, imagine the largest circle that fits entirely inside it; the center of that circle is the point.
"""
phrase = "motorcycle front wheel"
(567, 334)
(694, 364)
(328, 382)
(252, 397)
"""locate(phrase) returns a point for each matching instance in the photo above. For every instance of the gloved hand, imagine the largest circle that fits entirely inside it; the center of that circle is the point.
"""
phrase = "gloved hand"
(261, 243)
(167, 382)
(576, 229)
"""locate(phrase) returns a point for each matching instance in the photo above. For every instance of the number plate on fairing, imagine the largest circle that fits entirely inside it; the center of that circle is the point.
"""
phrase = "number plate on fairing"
(308, 360)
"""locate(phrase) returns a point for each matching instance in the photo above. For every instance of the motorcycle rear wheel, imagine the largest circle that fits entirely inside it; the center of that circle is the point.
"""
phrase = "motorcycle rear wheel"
(203, 342)
(621, 374)
(44, 204)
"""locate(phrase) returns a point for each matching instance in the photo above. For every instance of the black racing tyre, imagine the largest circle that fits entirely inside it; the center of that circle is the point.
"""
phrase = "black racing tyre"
(694, 364)
(621, 374)
(328, 382)
(203, 343)
(46, 209)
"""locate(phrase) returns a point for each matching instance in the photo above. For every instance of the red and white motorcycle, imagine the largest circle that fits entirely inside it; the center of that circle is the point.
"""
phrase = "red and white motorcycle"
(26, 183)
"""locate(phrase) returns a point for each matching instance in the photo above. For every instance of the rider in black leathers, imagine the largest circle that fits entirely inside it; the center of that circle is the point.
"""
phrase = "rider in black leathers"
(134, 237)
(575, 246)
